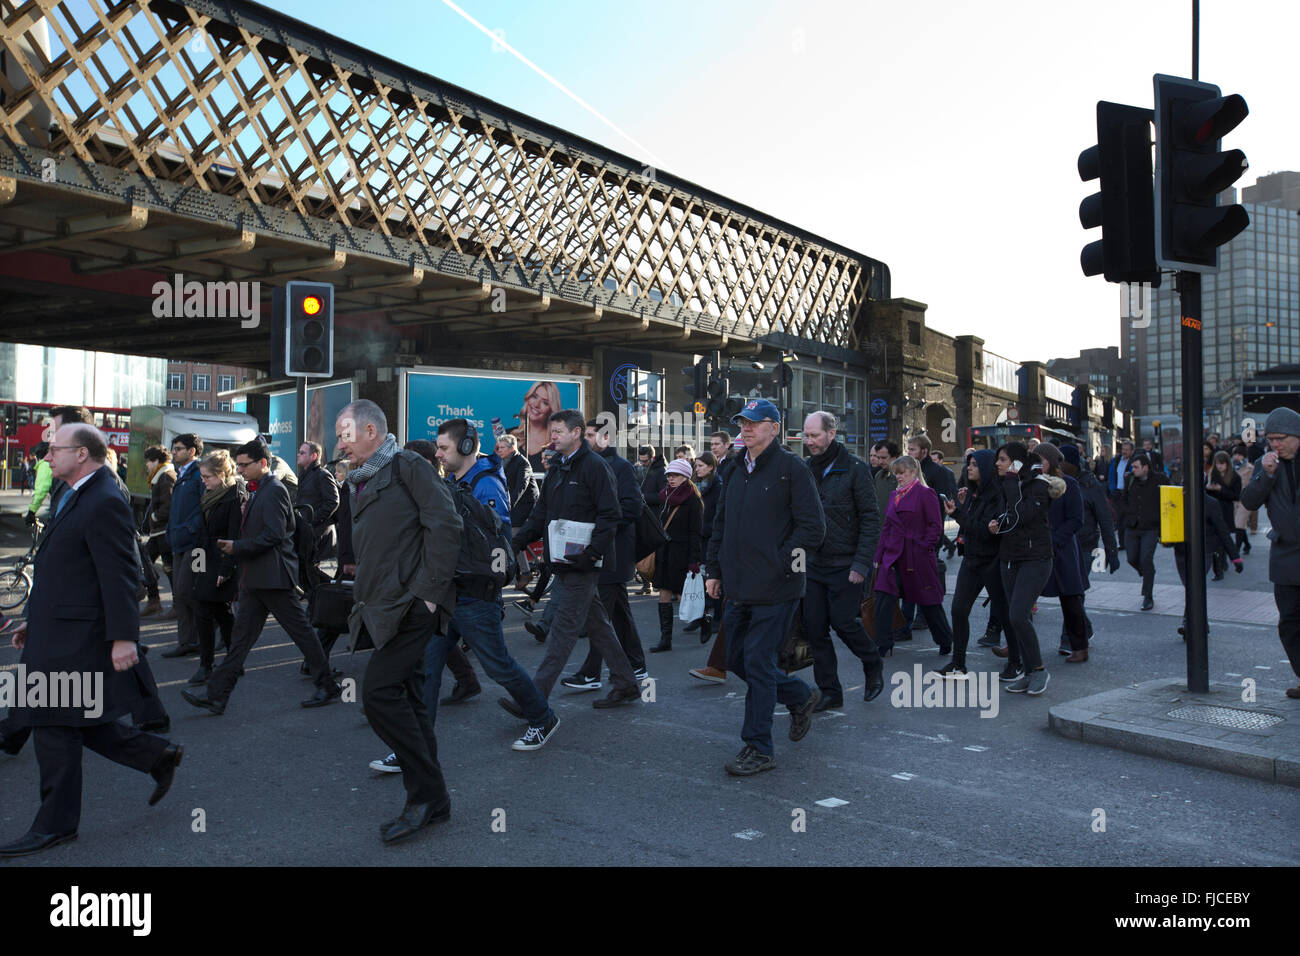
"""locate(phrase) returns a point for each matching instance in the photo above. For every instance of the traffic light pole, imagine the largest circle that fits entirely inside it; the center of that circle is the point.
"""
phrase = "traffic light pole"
(1197, 626)
(300, 419)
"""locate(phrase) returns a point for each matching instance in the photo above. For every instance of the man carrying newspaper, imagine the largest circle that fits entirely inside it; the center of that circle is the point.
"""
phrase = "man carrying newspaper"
(576, 516)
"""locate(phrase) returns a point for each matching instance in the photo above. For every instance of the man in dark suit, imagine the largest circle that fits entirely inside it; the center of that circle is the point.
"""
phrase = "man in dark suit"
(317, 488)
(83, 622)
(268, 572)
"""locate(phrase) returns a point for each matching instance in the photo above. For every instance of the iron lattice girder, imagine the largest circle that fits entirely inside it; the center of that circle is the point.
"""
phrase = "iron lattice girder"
(236, 100)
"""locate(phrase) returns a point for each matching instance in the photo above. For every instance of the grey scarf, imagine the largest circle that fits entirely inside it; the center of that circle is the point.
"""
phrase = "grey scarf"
(382, 456)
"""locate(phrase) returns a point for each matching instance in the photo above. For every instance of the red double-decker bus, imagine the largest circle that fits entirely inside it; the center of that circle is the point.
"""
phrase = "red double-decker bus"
(33, 418)
(995, 436)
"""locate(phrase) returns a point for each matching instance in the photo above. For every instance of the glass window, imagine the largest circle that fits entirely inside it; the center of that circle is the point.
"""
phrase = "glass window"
(223, 406)
(175, 403)
(202, 383)
(200, 406)
(176, 381)
(225, 383)
(833, 393)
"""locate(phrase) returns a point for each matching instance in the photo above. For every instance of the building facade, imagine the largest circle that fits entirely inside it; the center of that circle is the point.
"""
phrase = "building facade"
(1251, 314)
(200, 385)
(40, 375)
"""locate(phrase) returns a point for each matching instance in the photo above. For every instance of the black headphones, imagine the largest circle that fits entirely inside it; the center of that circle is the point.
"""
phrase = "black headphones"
(468, 445)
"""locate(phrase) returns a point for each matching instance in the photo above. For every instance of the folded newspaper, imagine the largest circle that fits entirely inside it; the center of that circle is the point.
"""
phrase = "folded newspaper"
(568, 539)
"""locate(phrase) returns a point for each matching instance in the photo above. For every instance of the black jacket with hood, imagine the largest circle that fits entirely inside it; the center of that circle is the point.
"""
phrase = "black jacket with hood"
(983, 504)
(1023, 530)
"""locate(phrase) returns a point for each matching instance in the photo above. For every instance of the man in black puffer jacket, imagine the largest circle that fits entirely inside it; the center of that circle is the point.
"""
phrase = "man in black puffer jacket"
(1142, 520)
(579, 487)
(838, 570)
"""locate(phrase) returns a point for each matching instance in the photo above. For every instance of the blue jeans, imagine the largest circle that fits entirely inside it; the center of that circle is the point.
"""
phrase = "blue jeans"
(754, 636)
(479, 623)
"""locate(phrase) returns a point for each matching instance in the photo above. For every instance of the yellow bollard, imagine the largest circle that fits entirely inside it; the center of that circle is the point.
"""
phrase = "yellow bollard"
(1171, 514)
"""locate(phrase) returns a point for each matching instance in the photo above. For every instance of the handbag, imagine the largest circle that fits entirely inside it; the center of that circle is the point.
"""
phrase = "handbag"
(646, 562)
(796, 652)
(331, 604)
(650, 535)
(691, 606)
(868, 609)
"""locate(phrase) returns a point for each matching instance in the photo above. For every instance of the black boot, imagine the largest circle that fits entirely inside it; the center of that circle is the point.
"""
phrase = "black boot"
(706, 629)
(665, 629)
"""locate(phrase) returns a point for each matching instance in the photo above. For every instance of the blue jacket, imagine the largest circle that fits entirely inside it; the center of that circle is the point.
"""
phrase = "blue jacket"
(491, 493)
(185, 521)
(1112, 481)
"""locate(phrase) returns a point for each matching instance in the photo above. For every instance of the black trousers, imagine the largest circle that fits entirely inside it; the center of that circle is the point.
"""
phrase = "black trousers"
(461, 668)
(393, 697)
(208, 616)
(974, 575)
(614, 598)
(831, 601)
(1076, 622)
(250, 618)
(1287, 597)
(58, 754)
(150, 572)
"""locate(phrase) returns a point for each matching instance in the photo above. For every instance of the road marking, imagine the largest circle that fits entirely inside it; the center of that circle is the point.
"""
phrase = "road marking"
(1231, 674)
(903, 776)
(1262, 667)
(976, 749)
(747, 835)
(832, 802)
(937, 739)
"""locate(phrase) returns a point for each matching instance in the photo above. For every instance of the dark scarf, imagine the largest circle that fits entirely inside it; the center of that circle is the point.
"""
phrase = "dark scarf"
(819, 462)
(672, 497)
(212, 498)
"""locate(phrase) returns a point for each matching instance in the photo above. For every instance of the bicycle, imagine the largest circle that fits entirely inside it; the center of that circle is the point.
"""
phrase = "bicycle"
(16, 583)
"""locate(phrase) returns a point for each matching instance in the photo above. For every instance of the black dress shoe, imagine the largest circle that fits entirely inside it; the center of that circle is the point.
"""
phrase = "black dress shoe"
(538, 633)
(415, 817)
(461, 693)
(33, 842)
(875, 684)
(693, 625)
(217, 707)
(181, 651)
(324, 695)
(616, 697)
(201, 675)
(1148, 604)
(164, 770)
(661, 647)
(160, 726)
(828, 703)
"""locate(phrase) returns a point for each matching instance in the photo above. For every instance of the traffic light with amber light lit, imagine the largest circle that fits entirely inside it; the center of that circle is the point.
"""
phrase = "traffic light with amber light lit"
(304, 317)
(1124, 208)
(1191, 170)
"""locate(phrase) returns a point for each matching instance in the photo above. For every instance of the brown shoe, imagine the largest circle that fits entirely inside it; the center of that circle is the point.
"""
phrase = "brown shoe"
(1293, 693)
(999, 651)
(1078, 657)
(153, 607)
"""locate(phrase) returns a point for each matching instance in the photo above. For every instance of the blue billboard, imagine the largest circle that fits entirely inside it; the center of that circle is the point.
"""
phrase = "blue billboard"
(521, 403)
(324, 402)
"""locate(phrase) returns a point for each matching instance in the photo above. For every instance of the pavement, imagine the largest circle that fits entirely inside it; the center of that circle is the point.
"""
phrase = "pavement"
(897, 781)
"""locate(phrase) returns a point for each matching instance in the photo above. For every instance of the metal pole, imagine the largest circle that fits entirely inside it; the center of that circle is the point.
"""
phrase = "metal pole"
(1197, 627)
(300, 419)
(1196, 39)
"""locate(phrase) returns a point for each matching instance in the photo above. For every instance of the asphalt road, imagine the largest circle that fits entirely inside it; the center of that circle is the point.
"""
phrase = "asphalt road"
(873, 784)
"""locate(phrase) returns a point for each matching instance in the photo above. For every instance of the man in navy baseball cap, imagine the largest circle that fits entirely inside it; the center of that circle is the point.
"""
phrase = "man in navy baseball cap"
(758, 410)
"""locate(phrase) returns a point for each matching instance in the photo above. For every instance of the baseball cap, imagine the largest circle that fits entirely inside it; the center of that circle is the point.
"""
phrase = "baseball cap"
(757, 409)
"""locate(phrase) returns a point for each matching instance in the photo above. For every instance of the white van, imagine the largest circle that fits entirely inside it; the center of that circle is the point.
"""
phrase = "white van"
(157, 425)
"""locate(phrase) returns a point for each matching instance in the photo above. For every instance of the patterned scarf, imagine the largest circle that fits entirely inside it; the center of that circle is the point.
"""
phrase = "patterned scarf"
(382, 456)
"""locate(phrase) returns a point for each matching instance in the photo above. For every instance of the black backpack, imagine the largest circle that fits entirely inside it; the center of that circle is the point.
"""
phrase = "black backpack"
(483, 538)
(304, 546)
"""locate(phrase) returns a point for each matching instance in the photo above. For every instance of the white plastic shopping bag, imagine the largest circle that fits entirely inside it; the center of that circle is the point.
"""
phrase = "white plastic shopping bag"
(692, 602)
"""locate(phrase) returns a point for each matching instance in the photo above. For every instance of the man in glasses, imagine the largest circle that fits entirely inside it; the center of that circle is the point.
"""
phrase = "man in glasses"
(81, 633)
(1275, 485)
(268, 576)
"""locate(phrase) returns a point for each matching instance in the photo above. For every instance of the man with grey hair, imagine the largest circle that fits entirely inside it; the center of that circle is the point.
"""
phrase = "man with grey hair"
(406, 535)
(839, 568)
(521, 487)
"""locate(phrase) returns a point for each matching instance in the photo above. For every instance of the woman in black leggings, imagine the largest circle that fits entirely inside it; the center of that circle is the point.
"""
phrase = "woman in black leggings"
(1025, 552)
(979, 501)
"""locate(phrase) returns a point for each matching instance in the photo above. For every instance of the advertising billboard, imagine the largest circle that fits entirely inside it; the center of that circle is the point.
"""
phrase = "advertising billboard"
(324, 402)
(521, 402)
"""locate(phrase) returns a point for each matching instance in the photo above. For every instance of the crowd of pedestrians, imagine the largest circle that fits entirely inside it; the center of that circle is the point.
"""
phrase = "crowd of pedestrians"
(428, 536)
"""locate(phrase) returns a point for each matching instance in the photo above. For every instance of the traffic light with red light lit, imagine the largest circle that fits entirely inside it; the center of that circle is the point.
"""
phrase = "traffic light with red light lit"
(1191, 170)
(305, 320)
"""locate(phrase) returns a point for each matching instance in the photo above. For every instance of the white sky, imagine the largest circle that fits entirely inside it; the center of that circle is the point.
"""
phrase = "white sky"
(939, 136)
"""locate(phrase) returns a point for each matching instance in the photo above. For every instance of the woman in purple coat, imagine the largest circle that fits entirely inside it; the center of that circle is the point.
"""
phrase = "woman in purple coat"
(904, 561)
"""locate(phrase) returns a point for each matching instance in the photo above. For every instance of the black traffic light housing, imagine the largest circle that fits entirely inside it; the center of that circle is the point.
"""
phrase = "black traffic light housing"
(1191, 170)
(1124, 208)
(719, 389)
(302, 330)
(11, 420)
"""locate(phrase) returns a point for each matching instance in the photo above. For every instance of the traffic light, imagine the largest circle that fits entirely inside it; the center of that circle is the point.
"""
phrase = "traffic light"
(304, 322)
(11, 419)
(718, 390)
(1124, 207)
(1191, 170)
